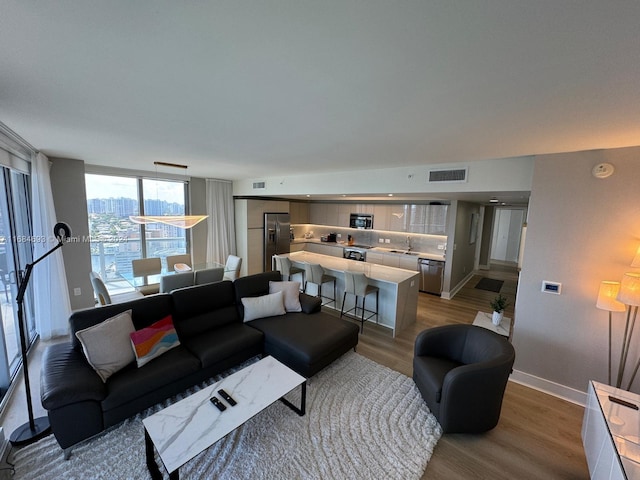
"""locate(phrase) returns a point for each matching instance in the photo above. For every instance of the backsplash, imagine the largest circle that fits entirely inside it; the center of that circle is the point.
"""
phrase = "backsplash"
(397, 240)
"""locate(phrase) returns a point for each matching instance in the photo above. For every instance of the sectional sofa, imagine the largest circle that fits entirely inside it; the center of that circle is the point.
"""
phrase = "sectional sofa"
(212, 327)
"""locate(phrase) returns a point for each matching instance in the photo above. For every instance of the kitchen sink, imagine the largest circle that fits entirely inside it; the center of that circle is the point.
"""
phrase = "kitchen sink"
(403, 252)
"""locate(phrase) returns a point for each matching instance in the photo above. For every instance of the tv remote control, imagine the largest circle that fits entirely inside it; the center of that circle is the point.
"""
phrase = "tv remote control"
(227, 397)
(623, 402)
(218, 404)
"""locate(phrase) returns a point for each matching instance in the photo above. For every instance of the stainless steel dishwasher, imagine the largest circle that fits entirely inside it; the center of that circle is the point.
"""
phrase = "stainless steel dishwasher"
(431, 275)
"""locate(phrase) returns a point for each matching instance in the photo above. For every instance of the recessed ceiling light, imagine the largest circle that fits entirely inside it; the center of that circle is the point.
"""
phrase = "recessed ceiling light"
(493, 200)
(390, 195)
(308, 196)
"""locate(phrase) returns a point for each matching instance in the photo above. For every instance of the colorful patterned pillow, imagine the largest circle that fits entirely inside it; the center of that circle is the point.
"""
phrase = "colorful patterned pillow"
(153, 341)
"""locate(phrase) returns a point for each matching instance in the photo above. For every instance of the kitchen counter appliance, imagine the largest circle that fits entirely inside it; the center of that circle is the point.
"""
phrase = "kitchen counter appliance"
(355, 253)
(431, 275)
(361, 221)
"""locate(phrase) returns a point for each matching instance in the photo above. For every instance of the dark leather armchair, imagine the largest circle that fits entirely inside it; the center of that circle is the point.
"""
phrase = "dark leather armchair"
(461, 372)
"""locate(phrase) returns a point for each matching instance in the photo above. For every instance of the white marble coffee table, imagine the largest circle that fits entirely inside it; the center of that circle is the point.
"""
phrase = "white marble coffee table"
(186, 428)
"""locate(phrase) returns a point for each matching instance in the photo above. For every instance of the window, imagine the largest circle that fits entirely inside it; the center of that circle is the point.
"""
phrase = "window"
(15, 253)
(115, 239)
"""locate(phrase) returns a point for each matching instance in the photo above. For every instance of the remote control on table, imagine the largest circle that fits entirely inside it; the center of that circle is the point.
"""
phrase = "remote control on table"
(218, 404)
(227, 397)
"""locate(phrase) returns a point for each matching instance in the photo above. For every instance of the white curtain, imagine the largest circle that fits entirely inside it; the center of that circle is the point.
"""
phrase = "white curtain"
(51, 294)
(221, 237)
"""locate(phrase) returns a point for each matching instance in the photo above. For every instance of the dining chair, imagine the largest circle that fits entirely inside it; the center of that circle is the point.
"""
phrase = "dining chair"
(143, 267)
(232, 267)
(184, 259)
(169, 283)
(209, 275)
(103, 296)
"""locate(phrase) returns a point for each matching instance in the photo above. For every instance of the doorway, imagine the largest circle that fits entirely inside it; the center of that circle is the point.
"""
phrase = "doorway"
(506, 235)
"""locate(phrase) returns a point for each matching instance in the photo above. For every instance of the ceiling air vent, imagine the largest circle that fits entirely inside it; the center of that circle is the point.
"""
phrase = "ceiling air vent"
(457, 175)
(258, 185)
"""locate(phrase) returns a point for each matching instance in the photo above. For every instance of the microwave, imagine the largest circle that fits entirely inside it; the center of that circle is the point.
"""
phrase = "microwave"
(361, 221)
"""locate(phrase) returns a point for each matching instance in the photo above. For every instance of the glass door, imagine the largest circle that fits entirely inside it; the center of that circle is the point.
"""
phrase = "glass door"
(15, 253)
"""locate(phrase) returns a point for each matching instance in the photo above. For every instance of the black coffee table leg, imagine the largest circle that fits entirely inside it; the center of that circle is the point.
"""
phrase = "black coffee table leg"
(151, 460)
(303, 401)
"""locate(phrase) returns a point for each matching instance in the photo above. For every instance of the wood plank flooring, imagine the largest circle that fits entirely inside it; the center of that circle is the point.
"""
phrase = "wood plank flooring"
(538, 436)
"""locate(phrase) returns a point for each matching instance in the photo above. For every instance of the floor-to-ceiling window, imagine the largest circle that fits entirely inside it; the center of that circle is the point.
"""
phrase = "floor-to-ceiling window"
(115, 239)
(15, 252)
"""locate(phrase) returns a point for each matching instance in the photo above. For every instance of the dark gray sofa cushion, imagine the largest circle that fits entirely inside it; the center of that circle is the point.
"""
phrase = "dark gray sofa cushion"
(145, 311)
(306, 343)
(215, 345)
(201, 308)
(131, 382)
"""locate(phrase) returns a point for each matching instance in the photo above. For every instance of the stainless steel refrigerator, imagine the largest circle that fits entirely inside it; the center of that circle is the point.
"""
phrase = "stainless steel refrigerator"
(277, 237)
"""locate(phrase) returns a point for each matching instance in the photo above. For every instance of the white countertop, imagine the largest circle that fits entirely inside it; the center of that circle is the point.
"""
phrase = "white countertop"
(371, 270)
(430, 256)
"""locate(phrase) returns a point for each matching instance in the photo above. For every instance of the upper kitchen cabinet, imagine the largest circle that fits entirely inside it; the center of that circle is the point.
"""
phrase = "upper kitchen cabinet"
(398, 217)
(324, 214)
(344, 214)
(255, 210)
(430, 219)
(299, 212)
(381, 214)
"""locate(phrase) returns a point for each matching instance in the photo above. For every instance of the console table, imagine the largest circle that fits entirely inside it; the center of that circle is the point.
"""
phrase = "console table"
(611, 433)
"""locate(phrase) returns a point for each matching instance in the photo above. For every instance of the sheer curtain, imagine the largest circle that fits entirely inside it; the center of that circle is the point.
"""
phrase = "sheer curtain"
(221, 238)
(51, 294)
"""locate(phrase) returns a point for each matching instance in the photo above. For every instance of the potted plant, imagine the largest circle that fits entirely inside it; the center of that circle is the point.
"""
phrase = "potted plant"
(498, 304)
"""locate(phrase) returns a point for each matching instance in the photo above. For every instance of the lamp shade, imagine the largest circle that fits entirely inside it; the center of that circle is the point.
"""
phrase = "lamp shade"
(636, 260)
(629, 293)
(607, 297)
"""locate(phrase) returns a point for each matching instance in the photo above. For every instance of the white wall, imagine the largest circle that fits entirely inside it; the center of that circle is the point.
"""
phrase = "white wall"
(581, 230)
(506, 174)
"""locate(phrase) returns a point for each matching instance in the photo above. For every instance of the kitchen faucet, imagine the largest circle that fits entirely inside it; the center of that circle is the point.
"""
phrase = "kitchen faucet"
(408, 243)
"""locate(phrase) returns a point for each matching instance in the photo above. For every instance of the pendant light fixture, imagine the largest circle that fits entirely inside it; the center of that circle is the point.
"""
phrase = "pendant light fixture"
(180, 221)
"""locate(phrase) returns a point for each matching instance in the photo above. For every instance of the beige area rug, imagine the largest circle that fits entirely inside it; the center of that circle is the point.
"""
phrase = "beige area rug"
(363, 421)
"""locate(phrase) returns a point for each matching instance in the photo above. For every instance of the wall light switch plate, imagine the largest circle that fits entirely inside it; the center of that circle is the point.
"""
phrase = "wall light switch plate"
(387, 240)
(551, 287)
(77, 292)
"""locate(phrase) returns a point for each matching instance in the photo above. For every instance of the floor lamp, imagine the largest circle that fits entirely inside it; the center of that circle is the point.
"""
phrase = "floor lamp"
(607, 301)
(35, 428)
(629, 294)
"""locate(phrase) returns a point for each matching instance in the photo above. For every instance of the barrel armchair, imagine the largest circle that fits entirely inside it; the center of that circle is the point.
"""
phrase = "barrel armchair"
(462, 372)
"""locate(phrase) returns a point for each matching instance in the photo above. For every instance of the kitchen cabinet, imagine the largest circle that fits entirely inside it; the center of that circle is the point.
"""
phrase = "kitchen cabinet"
(375, 257)
(381, 214)
(299, 212)
(430, 219)
(344, 214)
(297, 247)
(330, 250)
(398, 217)
(409, 262)
(318, 213)
(391, 260)
(255, 210)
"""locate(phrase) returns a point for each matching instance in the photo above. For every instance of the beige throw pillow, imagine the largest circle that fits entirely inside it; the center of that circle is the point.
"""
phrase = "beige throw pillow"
(291, 292)
(264, 306)
(107, 345)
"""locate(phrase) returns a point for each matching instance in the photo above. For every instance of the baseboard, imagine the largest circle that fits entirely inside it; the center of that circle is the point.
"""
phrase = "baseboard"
(546, 386)
(451, 293)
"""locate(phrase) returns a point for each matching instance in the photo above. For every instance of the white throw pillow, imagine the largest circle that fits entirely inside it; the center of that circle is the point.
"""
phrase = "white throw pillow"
(264, 306)
(291, 292)
(107, 345)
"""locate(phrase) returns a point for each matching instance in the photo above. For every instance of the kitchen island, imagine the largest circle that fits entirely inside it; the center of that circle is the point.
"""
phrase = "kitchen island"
(398, 287)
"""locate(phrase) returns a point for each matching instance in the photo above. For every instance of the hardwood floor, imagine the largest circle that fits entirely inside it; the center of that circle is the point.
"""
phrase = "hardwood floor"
(538, 436)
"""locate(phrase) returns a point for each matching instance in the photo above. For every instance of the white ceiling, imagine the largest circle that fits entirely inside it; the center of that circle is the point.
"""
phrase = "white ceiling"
(240, 89)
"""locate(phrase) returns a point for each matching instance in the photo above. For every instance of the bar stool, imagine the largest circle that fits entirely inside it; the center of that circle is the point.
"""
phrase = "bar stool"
(316, 275)
(287, 270)
(357, 284)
